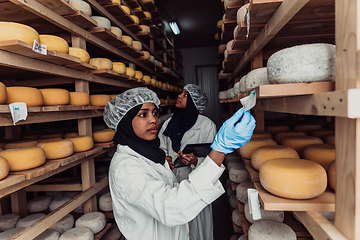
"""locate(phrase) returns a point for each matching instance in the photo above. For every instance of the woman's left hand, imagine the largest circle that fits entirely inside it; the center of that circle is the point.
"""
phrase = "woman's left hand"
(188, 158)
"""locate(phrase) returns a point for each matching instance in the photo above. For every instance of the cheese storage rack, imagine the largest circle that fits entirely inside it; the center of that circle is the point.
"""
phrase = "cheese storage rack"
(338, 101)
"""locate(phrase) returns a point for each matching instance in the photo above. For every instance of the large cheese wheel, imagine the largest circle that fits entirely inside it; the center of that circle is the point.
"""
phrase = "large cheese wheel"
(99, 99)
(57, 202)
(299, 143)
(241, 14)
(55, 96)
(137, 45)
(293, 178)
(145, 56)
(80, 53)
(117, 31)
(4, 167)
(105, 135)
(254, 143)
(147, 79)
(82, 143)
(241, 191)
(102, 22)
(105, 202)
(238, 173)
(127, 39)
(266, 153)
(96, 221)
(8, 221)
(101, 63)
(51, 135)
(270, 230)
(153, 81)
(135, 19)
(28, 220)
(222, 95)
(9, 233)
(307, 128)
(31, 96)
(138, 75)
(39, 204)
(3, 94)
(125, 9)
(119, 67)
(258, 134)
(24, 158)
(112, 234)
(81, 5)
(79, 98)
(130, 72)
(77, 233)
(303, 63)
(323, 154)
(48, 234)
(323, 133)
(277, 216)
(54, 43)
(281, 135)
(331, 175)
(147, 14)
(236, 218)
(17, 31)
(276, 129)
(64, 224)
(145, 29)
(57, 149)
(20, 144)
(255, 78)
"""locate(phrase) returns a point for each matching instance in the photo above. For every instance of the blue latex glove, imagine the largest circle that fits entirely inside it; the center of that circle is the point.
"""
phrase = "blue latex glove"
(235, 132)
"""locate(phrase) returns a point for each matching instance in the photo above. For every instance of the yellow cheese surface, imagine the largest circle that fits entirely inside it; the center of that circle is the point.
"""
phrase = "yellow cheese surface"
(116, 1)
(281, 135)
(331, 175)
(99, 99)
(219, 23)
(82, 143)
(276, 129)
(3, 94)
(24, 158)
(130, 72)
(125, 9)
(57, 149)
(322, 154)
(101, 63)
(147, 79)
(153, 82)
(79, 98)
(138, 75)
(145, 56)
(127, 39)
(54, 43)
(137, 45)
(31, 96)
(17, 31)
(117, 31)
(80, 53)
(4, 168)
(254, 143)
(299, 143)
(135, 19)
(55, 96)
(119, 67)
(105, 135)
(147, 14)
(20, 144)
(307, 128)
(145, 29)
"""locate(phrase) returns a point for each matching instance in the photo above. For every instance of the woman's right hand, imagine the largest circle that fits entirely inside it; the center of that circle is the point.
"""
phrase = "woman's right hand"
(169, 160)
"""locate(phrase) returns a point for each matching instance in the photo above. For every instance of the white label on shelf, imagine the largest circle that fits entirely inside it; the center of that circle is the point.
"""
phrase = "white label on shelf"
(18, 111)
(249, 102)
(39, 48)
(247, 23)
(254, 204)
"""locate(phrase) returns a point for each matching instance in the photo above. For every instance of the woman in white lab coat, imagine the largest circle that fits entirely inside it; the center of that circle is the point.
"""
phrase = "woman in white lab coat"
(188, 126)
(148, 202)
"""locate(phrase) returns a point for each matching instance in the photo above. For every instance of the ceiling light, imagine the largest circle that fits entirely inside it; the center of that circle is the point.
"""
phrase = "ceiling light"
(174, 27)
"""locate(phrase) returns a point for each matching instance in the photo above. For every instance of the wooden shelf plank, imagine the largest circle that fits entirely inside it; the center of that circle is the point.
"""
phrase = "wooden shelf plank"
(108, 36)
(325, 202)
(105, 145)
(59, 6)
(77, 156)
(35, 172)
(11, 180)
(108, 214)
(59, 108)
(254, 175)
(134, 27)
(81, 19)
(99, 235)
(231, 11)
(257, 13)
(82, 66)
(109, 74)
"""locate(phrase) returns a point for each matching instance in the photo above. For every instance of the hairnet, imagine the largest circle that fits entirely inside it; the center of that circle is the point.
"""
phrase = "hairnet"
(116, 109)
(199, 98)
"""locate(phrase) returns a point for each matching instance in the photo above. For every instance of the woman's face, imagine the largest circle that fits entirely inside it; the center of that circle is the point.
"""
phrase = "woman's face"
(146, 123)
(181, 99)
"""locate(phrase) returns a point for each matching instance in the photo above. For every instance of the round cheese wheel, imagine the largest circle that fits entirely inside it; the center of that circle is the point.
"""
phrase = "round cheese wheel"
(255, 78)
(281, 135)
(77, 233)
(112, 234)
(137, 45)
(55, 96)
(96, 221)
(57, 149)
(147, 79)
(105, 135)
(57, 202)
(8, 221)
(307, 128)
(293, 178)
(145, 29)
(254, 143)
(145, 56)
(50, 135)
(64, 224)
(270, 230)
(266, 153)
(4, 168)
(147, 14)
(125, 9)
(79, 98)
(116, 1)
(153, 81)
(99, 99)
(322, 154)
(323, 133)
(229, 191)
(135, 19)
(241, 191)
(81, 5)
(20, 144)
(117, 31)
(152, 58)
(101, 63)
(223, 95)
(31, 96)
(105, 202)
(219, 23)
(277, 216)
(299, 143)
(119, 67)
(236, 218)
(276, 129)
(17, 31)
(54, 43)
(39, 204)
(261, 135)
(331, 175)
(28, 220)
(3, 94)
(82, 143)
(238, 174)
(24, 158)
(216, 36)
(102, 22)
(241, 13)
(233, 201)
(127, 39)
(48, 234)
(242, 88)
(330, 139)
(9, 233)
(80, 53)
(130, 72)
(138, 75)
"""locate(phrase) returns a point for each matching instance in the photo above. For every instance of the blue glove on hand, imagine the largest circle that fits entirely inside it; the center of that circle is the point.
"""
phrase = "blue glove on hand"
(235, 132)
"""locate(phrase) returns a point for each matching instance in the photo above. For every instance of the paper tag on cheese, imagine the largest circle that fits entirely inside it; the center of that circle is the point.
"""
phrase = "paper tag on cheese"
(249, 102)
(39, 48)
(18, 111)
(254, 204)
(247, 23)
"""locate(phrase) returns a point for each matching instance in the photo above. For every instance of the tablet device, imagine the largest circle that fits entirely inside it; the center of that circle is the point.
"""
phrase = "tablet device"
(199, 149)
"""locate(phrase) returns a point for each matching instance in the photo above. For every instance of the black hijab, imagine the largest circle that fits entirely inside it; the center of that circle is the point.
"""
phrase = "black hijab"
(182, 120)
(125, 135)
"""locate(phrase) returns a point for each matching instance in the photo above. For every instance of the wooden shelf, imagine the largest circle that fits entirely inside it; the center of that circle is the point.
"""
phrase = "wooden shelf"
(99, 235)
(105, 145)
(108, 37)
(110, 74)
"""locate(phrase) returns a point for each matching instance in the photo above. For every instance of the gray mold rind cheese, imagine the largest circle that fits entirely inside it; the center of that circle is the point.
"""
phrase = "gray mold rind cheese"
(241, 191)
(255, 78)
(270, 230)
(277, 216)
(241, 13)
(236, 218)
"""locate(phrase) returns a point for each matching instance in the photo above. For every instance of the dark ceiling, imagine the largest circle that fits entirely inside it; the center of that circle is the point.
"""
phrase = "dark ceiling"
(196, 19)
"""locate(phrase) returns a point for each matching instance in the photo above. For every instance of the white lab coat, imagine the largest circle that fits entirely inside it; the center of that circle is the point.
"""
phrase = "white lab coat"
(203, 131)
(149, 203)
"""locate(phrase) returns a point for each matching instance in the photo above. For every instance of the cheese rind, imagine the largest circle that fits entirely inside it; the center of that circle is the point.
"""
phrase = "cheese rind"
(9, 233)
(105, 202)
(101, 63)
(322, 154)
(17, 31)
(105, 135)
(80, 53)
(82, 143)
(39, 204)
(3, 94)
(254, 143)
(57, 149)
(28, 220)
(127, 39)
(130, 72)
(57, 202)
(79, 98)
(299, 143)
(119, 67)
(281, 135)
(241, 14)
(331, 174)
(48, 234)
(64, 224)
(55, 96)
(4, 167)
(81, 5)
(137, 45)
(117, 31)
(95, 221)
(277, 216)
(31, 96)
(54, 43)
(99, 99)
(24, 158)
(102, 22)
(8, 221)
(270, 230)
(77, 233)
(20, 144)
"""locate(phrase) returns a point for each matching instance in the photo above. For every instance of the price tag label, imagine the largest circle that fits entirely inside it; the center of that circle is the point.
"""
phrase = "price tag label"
(249, 102)
(247, 23)
(254, 203)
(18, 111)
(39, 48)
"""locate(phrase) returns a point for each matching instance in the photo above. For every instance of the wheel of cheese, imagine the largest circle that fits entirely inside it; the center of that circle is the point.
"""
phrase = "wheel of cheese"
(281, 135)
(323, 133)
(241, 191)
(152, 58)
(233, 201)
(24, 158)
(128, 40)
(242, 87)
(229, 45)
(307, 128)
(102, 22)
(8, 221)
(119, 67)
(28, 220)
(238, 174)
(145, 29)
(112, 234)
(331, 175)
(101, 63)
(117, 31)
(293, 178)
(299, 143)
(57, 202)
(216, 36)
(20, 144)
(3, 94)
(237, 88)
(303, 63)
(80, 53)
(77, 233)
(236, 218)
(57, 149)
(105, 135)
(82, 143)
(31, 96)
(153, 81)
(54, 43)
(258, 134)
(99, 99)
(219, 23)
(17, 31)
(266, 153)
(51, 135)
(147, 14)
(135, 19)
(137, 45)
(322, 154)
(276, 129)
(146, 55)
(277, 216)
(79, 98)
(236, 163)
(254, 143)
(270, 230)
(330, 139)
(96, 221)
(4, 168)
(125, 9)
(105, 202)
(55, 96)
(64, 224)
(222, 95)
(116, 1)
(81, 5)
(255, 78)
(138, 75)
(241, 14)
(130, 72)
(39, 204)
(9, 233)
(147, 79)
(48, 234)
(234, 156)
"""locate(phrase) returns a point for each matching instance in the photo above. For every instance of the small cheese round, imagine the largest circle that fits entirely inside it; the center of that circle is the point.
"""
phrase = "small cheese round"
(277, 216)
(9, 233)
(241, 14)
(145, 29)
(270, 230)
(39, 204)
(147, 79)
(216, 36)
(4, 167)
(323, 133)
(238, 174)
(130, 72)
(3, 94)
(276, 129)
(331, 175)
(8, 221)
(293, 178)
(307, 128)
(31, 96)
(299, 143)
(254, 143)
(28, 220)
(229, 45)
(116, 1)
(102, 22)
(77, 233)
(57, 202)
(64, 224)
(236, 218)
(219, 23)
(152, 58)
(135, 19)
(55, 96)
(57, 149)
(322, 154)
(127, 39)
(96, 221)
(24, 158)
(125, 9)
(81, 5)
(137, 45)
(153, 81)
(145, 56)
(54, 43)
(48, 234)
(117, 31)
(20, 144)
(233, 201)
(99, 99)
(17, 31)
(138, 75)
(105, 135)
(112, 234)
(281, 135)
(147, 14)
(80, 53)
(82, 143)
(51, 135)
(79, 98)
(241, 191)
(101, 63)
(105, 202)
(119, 67)
(255, 78)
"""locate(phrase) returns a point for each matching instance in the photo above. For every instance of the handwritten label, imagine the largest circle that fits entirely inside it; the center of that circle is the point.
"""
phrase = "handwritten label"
(254, 203)
(18, 111)
(39, 48)
(249, 101)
